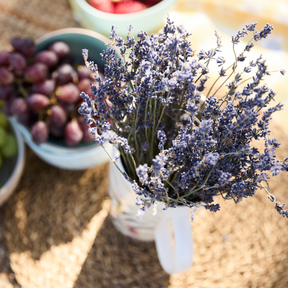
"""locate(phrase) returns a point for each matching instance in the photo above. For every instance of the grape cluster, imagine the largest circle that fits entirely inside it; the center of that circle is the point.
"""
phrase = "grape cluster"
(43, 90)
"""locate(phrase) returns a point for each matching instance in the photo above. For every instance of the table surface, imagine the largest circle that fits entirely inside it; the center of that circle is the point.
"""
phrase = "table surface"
(55, 230)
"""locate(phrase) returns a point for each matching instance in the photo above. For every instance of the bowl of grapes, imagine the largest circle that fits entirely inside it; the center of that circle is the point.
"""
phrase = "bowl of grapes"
(41, 82)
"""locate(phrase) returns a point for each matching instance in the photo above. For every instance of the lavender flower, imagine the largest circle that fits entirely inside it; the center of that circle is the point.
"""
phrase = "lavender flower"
(181, 142)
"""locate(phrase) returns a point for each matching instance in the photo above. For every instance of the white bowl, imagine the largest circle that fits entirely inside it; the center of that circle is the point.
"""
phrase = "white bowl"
(12, 168)
(149, 20)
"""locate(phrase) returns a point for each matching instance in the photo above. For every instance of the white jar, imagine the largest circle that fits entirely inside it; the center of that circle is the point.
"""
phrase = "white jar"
(175, 255)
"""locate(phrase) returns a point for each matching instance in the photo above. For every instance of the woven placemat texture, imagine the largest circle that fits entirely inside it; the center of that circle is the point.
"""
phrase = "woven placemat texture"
(55, 230)
(32, 18)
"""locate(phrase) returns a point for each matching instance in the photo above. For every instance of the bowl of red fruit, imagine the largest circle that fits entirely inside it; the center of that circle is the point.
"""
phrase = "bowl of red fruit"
(41, 83)
(101, 15)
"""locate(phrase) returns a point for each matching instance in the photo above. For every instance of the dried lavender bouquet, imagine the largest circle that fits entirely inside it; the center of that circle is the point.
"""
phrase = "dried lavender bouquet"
(177, 146)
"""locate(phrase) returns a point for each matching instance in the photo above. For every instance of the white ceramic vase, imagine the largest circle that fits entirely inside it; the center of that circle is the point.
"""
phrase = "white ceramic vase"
(171, 228)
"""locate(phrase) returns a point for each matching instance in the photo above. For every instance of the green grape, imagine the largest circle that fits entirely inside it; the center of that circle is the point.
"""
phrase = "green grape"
(3, 121)
(11, 147)
(3, 137)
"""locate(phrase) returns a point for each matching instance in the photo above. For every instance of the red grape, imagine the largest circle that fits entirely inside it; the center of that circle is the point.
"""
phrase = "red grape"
(58, 116)
(16, 43)
(37, 101)
(84, 86)
(39, 132)
(5, 91)
(73, 133)
(6, 77)
(87, 136)
(60, 48)
(28, 47)
(45, 87)
(68, 93)
(4, 58)
(18, 62)
(85, 72)
(65, 74)
(49, 58)
(18, 106)
(36, 73)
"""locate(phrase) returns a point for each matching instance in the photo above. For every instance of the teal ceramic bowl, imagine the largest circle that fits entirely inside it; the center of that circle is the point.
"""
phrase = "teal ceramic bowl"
(77, 39)
(149, 20)
(56, 153)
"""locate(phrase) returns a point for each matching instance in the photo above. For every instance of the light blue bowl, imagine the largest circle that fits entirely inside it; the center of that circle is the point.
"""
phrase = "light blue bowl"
(149, 20)
(57, 154)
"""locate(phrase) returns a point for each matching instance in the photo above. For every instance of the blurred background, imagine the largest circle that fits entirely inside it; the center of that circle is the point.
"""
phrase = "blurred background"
(55, 230)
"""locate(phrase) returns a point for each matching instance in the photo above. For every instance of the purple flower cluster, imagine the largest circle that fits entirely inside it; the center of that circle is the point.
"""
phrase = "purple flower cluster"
(181, 143)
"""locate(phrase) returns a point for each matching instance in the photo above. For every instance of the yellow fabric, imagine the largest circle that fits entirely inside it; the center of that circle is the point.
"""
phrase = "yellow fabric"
(203, 17)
